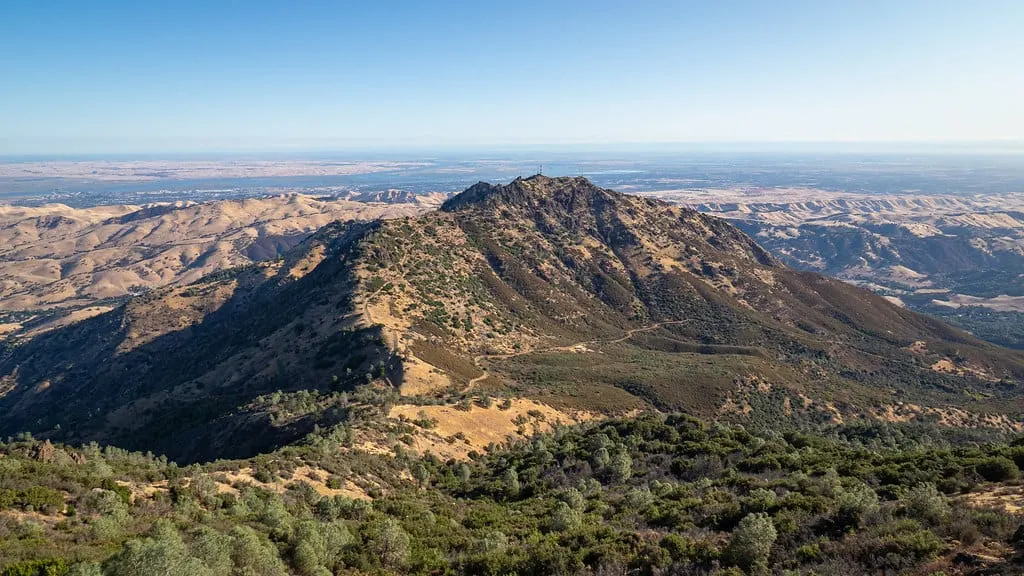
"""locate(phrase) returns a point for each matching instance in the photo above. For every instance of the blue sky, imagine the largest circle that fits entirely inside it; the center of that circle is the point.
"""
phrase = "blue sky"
(113, 76)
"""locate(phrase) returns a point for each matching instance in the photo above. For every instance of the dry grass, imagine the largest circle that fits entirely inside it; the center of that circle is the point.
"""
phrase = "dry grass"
(1009, 498)
(944, 416)
(421, 378)
(227, 483)
(54, 254)
(481, 426)
(305, 474)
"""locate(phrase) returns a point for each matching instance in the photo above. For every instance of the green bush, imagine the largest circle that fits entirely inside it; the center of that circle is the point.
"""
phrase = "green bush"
(854, 503)
(122, 492)
(678, 547)
(809, 553)
(56, 567)
(35, 498)
(998, 469)
(162, 553)
(759, 500)
(925, 502)
(1016, 453)
(85, 569)
(252, 553)
(565, 518)
(751, 541)
(388, 542)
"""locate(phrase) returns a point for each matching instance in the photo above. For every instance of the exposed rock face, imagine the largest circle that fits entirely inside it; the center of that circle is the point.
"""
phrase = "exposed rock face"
(45, 452)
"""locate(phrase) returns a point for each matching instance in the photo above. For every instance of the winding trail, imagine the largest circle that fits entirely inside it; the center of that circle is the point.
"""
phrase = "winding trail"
(368, 318)
(563, 348)
(366, 299)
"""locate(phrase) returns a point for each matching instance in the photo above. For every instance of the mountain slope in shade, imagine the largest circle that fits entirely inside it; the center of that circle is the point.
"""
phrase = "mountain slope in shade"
(552, 289)
(174, 370)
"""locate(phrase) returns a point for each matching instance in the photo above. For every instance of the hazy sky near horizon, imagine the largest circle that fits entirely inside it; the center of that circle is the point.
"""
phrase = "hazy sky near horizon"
(129, 76)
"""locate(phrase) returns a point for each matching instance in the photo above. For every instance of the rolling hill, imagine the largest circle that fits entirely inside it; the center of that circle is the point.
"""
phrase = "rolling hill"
(59, 264)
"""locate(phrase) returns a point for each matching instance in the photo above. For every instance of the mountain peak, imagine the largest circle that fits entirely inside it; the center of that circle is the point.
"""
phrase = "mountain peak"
(523, 191)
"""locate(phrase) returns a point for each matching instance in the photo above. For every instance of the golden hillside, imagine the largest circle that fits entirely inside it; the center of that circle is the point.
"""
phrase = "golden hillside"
(55, 256)
(543, 300)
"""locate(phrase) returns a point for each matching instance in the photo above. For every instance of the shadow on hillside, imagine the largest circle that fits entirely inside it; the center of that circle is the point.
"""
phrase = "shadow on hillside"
(74, 385)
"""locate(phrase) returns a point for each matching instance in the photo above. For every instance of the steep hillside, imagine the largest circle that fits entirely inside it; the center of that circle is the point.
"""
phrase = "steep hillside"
(395, 196)
(176, 370)
(570, 300)
(905, 255)
(591, 299)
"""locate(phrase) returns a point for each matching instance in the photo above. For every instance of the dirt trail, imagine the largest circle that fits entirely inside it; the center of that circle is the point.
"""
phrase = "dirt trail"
(570, 347)
(368, 318)
(367, 298)
(564, 348)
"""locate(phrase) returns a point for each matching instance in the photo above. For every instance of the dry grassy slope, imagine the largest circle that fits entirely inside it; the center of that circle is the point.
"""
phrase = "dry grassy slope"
(797, 206)
(58, 256)
(917, 248)
(581, 298)
(521, 267)
(905, 243)
(544, 264)
(174, 370)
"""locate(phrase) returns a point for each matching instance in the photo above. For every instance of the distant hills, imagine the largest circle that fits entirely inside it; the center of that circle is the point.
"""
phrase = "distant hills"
(59, 264)
(910, 239)
(394, 196)
(552, 292)
(957, 257)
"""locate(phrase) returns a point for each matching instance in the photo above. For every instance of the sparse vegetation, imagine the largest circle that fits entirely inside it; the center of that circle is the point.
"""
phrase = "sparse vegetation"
(553, 296)
(876, 498)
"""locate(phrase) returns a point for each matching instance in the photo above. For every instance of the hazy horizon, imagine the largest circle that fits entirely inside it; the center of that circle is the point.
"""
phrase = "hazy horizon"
(396, 152)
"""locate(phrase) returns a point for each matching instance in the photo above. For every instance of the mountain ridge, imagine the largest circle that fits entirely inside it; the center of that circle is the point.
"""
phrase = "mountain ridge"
(549, 290)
